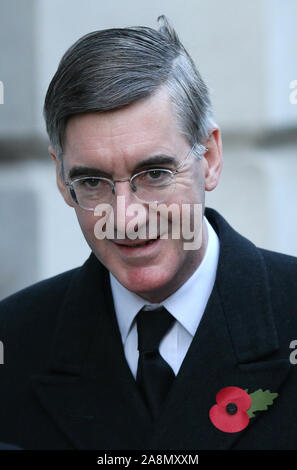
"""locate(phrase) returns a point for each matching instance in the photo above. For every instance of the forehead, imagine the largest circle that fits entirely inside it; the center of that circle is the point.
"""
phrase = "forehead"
(140, 129)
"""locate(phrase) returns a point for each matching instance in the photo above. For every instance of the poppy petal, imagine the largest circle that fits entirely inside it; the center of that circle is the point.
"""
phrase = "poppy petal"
(226, 422)
(234, 395)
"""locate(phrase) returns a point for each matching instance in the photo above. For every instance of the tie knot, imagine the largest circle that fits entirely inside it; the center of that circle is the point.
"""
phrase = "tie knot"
(151, 327)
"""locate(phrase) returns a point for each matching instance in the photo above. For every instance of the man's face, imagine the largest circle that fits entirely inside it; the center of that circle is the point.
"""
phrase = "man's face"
(116, 142)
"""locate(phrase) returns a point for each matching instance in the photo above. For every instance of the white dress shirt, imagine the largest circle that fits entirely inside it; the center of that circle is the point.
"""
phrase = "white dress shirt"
(186, 305)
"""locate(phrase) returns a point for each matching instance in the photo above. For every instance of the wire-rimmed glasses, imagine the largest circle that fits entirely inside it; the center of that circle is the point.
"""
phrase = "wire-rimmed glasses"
(150, 185)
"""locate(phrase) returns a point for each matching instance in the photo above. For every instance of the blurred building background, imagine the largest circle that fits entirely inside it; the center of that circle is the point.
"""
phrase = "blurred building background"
(246, 52)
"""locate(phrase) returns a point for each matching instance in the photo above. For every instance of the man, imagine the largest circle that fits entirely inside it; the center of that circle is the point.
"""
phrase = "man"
(86, 363)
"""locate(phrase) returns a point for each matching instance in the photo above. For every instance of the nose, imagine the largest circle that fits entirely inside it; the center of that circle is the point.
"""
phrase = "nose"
(123, 189)
(125, 215)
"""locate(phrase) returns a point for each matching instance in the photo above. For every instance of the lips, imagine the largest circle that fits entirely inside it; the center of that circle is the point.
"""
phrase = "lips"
(130, 244)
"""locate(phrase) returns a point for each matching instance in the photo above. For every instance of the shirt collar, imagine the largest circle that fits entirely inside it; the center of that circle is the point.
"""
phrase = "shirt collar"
(187, 304)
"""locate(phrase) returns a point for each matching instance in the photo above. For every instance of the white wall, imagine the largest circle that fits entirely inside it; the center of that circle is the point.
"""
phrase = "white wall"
(281, 61)
(245, 50)
(19, 112)
(40, 236)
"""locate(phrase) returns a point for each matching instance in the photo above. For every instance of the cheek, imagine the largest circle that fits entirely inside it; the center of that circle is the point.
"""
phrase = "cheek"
(190, 187)
(188, 191)
(87, 222)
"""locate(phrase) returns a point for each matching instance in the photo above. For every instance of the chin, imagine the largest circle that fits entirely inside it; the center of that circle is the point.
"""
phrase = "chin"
(142, 280)
(152, 279)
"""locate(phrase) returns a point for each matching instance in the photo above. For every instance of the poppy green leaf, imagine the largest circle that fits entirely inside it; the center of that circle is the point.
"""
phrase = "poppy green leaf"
(260, 401)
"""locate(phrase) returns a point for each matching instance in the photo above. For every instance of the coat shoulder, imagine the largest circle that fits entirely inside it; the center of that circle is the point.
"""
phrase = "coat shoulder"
(32, 313)
(37, 295)
(281, 268)
(282, 282)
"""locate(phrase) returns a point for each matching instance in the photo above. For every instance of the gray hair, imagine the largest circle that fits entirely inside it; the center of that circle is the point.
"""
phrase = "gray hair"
(105, 70)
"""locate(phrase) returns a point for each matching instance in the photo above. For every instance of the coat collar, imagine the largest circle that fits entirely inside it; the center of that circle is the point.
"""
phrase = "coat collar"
(89, 379)
(243, 286)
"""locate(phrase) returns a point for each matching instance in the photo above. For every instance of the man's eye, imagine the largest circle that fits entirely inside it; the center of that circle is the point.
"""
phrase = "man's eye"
(93, 183)
(155, 174)
(90, 183)
(154, 177)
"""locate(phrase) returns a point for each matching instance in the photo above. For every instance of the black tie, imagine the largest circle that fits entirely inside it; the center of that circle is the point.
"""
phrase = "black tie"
(154, 375)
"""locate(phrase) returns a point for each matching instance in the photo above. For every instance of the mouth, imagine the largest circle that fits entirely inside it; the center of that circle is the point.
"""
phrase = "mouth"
(141, 248)
(137, 245)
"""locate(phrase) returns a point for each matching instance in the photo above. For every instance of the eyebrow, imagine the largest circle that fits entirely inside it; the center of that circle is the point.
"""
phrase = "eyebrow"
(78, 171)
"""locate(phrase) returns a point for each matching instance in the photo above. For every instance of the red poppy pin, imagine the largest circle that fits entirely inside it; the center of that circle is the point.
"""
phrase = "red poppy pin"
(235, 407)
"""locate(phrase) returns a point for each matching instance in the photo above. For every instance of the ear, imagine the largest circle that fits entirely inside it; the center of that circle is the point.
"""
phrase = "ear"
(213, 160)
(60, 181)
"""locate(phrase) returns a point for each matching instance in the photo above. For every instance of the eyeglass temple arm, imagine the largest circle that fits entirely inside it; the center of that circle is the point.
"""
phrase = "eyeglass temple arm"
(201, 151)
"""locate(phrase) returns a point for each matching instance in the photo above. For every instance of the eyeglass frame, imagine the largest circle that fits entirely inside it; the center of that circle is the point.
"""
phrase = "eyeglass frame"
(200, 154)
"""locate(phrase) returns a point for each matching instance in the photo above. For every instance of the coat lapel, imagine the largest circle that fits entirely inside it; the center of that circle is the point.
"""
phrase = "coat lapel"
(236, 344)
(90, 392)
(209, 366)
